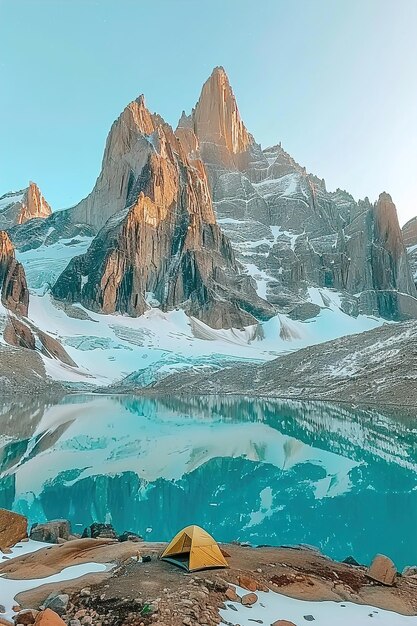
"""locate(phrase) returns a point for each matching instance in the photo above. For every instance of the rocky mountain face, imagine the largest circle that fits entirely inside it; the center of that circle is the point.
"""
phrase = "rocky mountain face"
(13, 287)
(287, 229)
(18, 207)
(18, 332)
(205, 219)
(409, 232)
(163, 247)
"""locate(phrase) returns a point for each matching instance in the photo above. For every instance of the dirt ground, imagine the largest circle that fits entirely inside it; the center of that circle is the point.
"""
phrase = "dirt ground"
(297, 572)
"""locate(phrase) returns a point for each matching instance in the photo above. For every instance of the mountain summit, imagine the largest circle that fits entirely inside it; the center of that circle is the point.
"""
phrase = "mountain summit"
(18, 207)
(161, 244)
(217, 124)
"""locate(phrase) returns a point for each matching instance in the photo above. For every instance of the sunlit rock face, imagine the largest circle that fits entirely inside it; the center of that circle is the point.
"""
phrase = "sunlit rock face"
(289, 231)
(13, 287)
(208, 183)
(21, 206)
(166, 246)
(217, 124)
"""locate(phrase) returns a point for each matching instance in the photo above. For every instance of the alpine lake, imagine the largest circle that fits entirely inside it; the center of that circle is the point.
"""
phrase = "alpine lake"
(267, 472)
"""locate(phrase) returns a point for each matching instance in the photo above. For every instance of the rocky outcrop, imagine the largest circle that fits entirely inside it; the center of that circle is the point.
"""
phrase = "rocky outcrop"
(13, 287)
(51, 532)
(128, 148)
(31, 380)
(18, 207)
(382, 570)
(13, 528)
(165, 247)
(24, 334)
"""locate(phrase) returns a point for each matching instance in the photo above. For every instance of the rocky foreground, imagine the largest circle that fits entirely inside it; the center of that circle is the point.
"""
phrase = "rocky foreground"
(375, 367)
(137, 588)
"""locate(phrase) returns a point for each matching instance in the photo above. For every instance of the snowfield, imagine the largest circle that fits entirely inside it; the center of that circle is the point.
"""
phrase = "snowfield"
(108, 348)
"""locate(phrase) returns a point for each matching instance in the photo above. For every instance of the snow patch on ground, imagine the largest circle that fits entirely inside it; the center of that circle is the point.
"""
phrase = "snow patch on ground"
(272, 607)
(10, 588)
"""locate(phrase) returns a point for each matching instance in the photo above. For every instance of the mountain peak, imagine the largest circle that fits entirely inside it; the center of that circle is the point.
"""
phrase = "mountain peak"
(21, 206)
(141, 100)
(217, 122)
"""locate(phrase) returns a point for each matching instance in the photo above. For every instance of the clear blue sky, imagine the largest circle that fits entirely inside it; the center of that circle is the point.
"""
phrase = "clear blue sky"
(334, 80)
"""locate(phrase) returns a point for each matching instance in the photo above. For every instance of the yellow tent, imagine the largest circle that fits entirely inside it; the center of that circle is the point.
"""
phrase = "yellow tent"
(194, 549)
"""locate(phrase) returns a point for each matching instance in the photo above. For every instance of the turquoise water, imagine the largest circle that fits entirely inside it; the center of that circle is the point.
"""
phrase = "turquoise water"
(267, 472)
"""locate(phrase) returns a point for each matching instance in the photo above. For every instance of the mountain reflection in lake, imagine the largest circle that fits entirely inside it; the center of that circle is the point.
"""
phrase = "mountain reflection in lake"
(264, 471)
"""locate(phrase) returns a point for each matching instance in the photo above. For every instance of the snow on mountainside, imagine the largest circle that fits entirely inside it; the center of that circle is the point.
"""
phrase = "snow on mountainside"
(375, 366)
(224, 250)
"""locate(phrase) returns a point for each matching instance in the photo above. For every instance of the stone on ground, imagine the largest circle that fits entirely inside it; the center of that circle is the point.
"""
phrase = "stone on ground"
(13, 528)
(51, 532)
(248, 583)
(249, 599)
(26, 617)
(57, 603)
(232, 595)
(382, 570)
(48, 618)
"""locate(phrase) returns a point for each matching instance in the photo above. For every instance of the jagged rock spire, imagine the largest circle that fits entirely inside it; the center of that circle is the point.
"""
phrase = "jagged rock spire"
(217, 122)
(13, 286)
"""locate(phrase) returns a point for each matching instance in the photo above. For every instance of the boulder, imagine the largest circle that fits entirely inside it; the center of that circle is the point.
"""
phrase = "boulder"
(232, 595)
(410, 570)
(382, 570)
(304, 311)
(102, 531)
(57, 603)
(48, 618)
(26, 617)
(248, 583)
(51, 532)
(130, 536)
(283, 622)
(249, 599)
(13, 528)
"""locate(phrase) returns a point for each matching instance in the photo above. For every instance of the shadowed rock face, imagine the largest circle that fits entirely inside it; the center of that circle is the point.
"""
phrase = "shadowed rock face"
(13, 287)
(409, 231)
(166, 244)
(21, 206)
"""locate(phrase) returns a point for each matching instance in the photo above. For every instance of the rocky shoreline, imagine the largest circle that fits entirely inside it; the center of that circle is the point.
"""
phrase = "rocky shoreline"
(136, 588)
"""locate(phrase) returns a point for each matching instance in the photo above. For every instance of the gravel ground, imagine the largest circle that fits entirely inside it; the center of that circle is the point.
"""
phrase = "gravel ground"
(22, 372)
